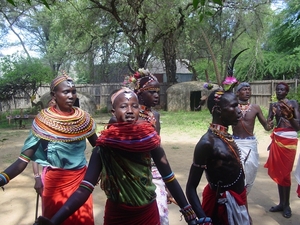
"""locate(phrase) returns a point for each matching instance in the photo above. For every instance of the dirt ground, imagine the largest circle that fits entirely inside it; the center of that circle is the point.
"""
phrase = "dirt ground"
(18, 201)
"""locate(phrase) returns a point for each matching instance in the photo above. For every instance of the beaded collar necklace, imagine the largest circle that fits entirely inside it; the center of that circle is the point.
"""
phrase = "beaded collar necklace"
(53, 125)
(147, 114)
(222, 133)
(244, 107)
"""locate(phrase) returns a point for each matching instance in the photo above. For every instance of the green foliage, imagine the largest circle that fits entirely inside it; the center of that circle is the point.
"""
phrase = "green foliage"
(44, 2)
(22, 76)
(294, 94)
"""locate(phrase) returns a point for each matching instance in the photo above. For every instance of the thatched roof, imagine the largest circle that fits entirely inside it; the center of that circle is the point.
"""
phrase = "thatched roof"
(179, 95)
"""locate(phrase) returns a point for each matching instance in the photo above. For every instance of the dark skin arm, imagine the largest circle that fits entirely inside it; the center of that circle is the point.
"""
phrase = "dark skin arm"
(267, 124)
(79, 197)
(160, 159)
(18, 166)
(92, 139)
(201, 152)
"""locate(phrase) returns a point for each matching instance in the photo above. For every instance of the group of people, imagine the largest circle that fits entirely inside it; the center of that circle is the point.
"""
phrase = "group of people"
(132, 168)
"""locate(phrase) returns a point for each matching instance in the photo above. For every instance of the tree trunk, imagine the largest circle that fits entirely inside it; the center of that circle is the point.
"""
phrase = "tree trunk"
(169, 50)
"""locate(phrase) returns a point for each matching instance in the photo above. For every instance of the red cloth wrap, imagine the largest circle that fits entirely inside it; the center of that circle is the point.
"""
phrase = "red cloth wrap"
(281, 158)
(133, 137)
(59, 185)
(209, 201)
(117, 214)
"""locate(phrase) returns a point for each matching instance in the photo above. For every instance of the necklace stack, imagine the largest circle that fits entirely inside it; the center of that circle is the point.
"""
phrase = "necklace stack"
(244, 108)
(222, 133)
(147, 114)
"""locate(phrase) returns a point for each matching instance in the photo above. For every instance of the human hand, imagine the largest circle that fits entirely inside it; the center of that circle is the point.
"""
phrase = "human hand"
(201, 221)
(43, 221)
(286, 110)
(270, 124)
(38, 186)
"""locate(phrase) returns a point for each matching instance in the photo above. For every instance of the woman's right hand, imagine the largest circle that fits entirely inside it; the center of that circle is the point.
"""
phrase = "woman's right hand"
(38, 186)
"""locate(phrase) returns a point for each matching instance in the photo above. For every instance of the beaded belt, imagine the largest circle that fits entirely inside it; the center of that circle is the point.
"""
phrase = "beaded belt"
(248, 138)
(228, 185)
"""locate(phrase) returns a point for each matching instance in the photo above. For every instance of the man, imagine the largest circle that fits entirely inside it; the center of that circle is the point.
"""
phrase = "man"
(243, 133)
(224, 198)
(283, 146)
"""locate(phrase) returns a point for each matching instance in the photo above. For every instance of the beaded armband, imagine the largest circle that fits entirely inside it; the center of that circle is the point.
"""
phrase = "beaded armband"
(169, 178)
(87, 185)
(24, 158)
(188, 213)
(4, 177)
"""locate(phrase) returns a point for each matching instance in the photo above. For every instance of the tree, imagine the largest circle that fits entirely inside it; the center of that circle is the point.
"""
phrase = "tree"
(22, 76)
(282, 48)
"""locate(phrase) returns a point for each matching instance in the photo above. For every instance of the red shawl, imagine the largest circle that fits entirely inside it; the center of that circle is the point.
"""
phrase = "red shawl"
(133, 137)
(281, 158)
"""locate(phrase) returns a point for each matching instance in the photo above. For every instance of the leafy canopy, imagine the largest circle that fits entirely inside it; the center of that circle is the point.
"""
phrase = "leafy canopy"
(22, 76)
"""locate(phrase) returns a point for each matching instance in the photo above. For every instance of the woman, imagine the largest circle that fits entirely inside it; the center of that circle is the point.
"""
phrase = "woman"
(147, 89)
(122, 158)
(57, 141)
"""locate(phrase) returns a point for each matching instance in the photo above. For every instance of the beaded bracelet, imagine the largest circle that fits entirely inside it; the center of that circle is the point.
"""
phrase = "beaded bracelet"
(169, 178)
(204, 220)
(188, 213)
(24, 158)
(4, 177)
(87, 185)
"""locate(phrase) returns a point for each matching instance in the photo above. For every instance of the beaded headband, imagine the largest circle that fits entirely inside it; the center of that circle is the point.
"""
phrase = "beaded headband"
(128, 94)
(64, 77)
(241, 85)
(139, 81)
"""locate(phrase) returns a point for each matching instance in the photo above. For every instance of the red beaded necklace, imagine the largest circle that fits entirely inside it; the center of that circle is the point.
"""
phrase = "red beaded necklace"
(222, 133)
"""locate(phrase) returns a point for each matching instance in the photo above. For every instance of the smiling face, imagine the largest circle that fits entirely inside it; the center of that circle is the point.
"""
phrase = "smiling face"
(64, 95)
(150, 96)
(126, 107)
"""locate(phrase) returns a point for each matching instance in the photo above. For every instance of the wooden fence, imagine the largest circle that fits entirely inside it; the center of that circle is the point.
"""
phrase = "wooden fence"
(262, 91)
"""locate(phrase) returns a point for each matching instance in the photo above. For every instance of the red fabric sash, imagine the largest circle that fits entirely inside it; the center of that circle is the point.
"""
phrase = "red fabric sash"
(281, 158)
(59, 185)
(209, 201)
(117, 214)
(136, 137)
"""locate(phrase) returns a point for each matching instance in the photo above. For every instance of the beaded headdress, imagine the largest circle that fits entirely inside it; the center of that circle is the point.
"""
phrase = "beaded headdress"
(57, 80)
(139, 81)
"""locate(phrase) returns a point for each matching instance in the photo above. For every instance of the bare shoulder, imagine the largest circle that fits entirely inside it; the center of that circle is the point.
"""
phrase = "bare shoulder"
(206, 141)
(256, 107)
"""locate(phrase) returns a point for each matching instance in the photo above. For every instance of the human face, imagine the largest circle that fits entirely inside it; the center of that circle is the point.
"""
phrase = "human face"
(64, 96)
(150, 97)
(230, 112)
(244, 93)
(281, 92)
(126, 107)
